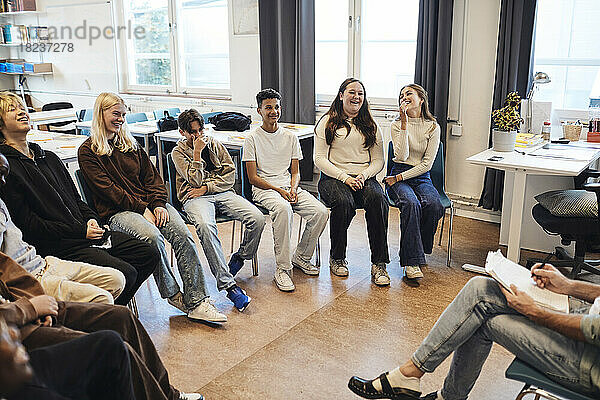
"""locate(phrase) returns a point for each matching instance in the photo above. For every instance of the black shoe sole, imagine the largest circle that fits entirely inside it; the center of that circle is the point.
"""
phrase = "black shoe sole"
(404, 394)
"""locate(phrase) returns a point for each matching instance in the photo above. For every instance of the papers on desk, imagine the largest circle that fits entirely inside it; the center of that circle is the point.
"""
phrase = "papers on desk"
(564, 152)
(528, 140)
(509, 273)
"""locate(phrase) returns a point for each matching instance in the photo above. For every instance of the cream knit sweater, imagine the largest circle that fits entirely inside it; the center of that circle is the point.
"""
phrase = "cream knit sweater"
(347, 154)
(416, 146)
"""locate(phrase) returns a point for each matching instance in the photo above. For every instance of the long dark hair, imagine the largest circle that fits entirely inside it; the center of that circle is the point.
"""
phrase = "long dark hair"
(425, 113)
(363, 121)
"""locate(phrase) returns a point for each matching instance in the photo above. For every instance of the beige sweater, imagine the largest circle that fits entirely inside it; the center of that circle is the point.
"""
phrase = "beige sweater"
(416, 146)
(347, 154)
(192, 174)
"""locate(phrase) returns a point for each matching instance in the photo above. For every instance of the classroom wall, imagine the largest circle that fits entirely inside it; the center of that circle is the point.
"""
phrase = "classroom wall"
(476, 86)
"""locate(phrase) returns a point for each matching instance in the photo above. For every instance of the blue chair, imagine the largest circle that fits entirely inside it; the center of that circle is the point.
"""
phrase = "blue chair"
(136, 117)
(172, 173)
(85, 115)
(87, 196)
(247, 194)
(207, 115)
(173, 112)
(437, 178)
(539, 384)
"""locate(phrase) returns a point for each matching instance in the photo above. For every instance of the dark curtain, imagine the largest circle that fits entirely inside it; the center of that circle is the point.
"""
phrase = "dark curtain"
(432, 66)
(514, 67)
(287, 55)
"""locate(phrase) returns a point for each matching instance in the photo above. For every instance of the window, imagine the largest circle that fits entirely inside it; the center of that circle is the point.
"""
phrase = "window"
(373, 40)
(568, 50)
(185, 47)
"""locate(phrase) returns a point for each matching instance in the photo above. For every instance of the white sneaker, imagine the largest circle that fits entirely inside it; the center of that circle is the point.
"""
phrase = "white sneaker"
(283, 280)
(177, 302)
(305, 266)
(190, 396)
(379, 275)
(413, 272)
(205, 311)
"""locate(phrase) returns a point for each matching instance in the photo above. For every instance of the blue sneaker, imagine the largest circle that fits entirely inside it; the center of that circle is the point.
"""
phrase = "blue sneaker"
(239, 298)
(235, 264)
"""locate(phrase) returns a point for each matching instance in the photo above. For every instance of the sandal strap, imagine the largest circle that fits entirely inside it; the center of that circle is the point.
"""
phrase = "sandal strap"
(385, 384)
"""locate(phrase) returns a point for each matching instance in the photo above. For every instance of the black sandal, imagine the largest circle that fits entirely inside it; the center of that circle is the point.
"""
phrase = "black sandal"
(365, 389)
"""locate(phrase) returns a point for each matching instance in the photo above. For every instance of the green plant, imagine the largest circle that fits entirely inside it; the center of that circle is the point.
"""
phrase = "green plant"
(508, 118)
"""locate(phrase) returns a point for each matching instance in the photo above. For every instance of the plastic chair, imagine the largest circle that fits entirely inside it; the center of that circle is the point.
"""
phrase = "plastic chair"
(247, 194)
(87, 196)
(539, 384)
(207, 115)
(85, 115)
(136, 117)
(172, 173)
(173, 112)
(437, 178)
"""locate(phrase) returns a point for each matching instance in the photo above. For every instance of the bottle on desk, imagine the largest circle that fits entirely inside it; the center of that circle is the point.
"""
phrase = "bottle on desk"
(546, 128)
(594, 125)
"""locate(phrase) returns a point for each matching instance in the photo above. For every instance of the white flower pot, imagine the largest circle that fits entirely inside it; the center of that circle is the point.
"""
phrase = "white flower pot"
(503, 141)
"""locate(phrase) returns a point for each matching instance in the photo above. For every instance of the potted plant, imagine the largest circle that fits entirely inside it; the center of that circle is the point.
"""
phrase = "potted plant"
(506, 121)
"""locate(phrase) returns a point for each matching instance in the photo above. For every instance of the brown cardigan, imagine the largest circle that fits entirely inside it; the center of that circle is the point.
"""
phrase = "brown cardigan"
(122, 181)
(18, 286)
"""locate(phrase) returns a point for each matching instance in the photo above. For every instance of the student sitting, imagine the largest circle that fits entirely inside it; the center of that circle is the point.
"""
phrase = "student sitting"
(565, 347)
(416, 137)
(45, 205)
(42, 321)
(130, 194)
(205, 178)
(349, 152)
(99, 360)
(271, 152)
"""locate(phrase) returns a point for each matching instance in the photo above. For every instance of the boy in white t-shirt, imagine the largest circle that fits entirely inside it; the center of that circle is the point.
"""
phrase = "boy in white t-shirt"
(271, 154)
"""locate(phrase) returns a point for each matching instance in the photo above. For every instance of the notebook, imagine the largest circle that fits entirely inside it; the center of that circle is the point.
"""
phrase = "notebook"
(508, 273)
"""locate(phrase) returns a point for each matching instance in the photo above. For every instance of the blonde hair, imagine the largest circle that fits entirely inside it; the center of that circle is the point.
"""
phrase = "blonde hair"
(123, 139)
(8, 100)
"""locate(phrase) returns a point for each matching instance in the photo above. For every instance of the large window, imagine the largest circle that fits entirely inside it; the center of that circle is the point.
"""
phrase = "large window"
(185, 46)
(373, 40)
(568, 50)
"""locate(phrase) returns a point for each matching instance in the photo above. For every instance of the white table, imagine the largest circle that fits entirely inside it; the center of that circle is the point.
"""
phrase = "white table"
(53, 116)
(231, 139)
(144, 129)
(63, 145)
(523, 166)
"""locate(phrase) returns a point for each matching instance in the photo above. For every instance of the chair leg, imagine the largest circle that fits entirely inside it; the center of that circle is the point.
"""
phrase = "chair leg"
(318, 253)
(132, 305)
(232, 236)
(255, 265)
(299, 229)
(442, 228)
(450, 236)
(241, 233)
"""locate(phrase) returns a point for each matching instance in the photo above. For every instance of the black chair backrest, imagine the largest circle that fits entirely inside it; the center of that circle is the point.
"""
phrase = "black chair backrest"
(172, 174)
(86, 192)
(59, 105)
(246, 186)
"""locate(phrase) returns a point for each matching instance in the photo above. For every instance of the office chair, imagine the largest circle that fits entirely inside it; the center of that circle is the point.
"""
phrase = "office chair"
(172, 173)
(584, 231)
(539, 384)
(67, 127)
(437, 173)
(247, 194)
(87, 196)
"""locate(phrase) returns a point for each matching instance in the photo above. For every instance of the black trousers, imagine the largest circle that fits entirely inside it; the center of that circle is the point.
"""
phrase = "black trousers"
(343, 202)
(135, 258)
(94, 366)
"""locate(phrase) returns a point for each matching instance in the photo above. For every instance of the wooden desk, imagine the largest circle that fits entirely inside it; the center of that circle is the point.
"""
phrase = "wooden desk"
(521, 166)
(53, 116)
(65, 146)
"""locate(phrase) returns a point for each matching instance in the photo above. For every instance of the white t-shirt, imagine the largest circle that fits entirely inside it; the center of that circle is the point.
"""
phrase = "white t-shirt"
(273, 153)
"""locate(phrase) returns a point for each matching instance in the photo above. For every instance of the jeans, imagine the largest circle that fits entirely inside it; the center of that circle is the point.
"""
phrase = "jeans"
(480, 316)
(177, 233)
(98, 362)
(135, 258)
(281, 212)
(202, 212)
(79, 281)
(344, 202)
(420, 211)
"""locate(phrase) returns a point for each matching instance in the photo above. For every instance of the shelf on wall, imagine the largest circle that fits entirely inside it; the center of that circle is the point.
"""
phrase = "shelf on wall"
(15, 13)
(26, 73)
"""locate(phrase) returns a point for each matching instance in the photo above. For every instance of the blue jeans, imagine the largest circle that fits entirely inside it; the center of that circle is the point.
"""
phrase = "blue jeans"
(478, 317)
(179, 236)
(202, 212)
(420, 211)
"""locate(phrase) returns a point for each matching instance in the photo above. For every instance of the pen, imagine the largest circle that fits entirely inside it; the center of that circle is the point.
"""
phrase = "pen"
(543, 263)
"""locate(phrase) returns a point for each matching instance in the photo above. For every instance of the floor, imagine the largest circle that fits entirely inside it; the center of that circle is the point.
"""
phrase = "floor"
(308, 343)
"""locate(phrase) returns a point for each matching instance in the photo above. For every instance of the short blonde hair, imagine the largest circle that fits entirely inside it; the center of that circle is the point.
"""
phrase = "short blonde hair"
(8, 100)
(123, 141)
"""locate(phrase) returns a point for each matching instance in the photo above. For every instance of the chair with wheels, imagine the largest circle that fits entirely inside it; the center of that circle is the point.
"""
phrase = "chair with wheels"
(172, 189)
(437, 174)
(538, 384)
(87, 196)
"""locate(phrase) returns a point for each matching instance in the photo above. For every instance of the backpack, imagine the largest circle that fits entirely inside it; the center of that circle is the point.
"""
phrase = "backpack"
(231, 121)
(167, 123)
